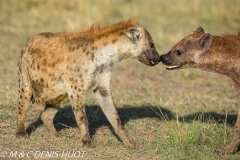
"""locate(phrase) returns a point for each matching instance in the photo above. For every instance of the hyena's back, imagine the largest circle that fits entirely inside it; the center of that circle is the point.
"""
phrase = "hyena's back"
(41, 67)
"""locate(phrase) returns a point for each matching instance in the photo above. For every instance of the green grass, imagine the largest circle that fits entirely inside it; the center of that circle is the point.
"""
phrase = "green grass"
(184, 114)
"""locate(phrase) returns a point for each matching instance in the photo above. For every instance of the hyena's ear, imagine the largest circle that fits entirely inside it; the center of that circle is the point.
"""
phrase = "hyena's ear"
(133, 34)
(205, 41)
(199, 30)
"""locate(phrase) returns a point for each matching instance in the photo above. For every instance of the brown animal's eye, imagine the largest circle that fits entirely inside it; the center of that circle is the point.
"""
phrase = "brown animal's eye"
(178, 52)
(152, 45)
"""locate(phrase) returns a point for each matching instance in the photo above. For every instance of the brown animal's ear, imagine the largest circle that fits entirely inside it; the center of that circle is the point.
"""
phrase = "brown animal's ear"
(133, 34)
(205, 41)
(199, 30)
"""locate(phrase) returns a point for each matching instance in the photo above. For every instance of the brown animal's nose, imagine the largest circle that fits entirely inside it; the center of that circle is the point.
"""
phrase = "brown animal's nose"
(162, 58)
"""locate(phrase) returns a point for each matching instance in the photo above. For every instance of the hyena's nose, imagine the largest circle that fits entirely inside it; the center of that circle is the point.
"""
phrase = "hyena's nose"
(162, 58)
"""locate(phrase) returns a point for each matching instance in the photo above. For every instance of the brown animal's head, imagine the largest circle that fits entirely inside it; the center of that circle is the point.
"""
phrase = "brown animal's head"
(144, 48)
(185, 54)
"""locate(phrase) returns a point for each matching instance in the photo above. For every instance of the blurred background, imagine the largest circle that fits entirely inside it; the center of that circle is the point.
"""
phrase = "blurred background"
(167, 20)
(182, 92)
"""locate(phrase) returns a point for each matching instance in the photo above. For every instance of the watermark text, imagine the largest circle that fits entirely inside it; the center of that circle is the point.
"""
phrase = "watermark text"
(42, 154)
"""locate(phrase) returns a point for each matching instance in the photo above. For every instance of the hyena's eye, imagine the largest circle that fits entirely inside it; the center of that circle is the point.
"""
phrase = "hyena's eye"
(152, 45)
(178, 52)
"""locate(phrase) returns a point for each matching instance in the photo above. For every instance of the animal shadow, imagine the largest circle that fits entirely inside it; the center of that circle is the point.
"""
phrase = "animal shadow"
(96, 118)
(230, 119)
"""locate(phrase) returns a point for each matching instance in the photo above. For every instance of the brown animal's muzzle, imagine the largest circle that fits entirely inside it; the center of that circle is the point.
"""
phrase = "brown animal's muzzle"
(166, 60)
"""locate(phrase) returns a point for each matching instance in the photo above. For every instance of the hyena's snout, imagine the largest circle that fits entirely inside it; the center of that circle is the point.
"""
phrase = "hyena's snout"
(164, 58)
(170, 62)
(153, 59)
(156, 59)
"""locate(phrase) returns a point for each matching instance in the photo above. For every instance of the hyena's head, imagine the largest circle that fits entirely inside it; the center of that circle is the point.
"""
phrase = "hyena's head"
(185, 54)
(143, 47)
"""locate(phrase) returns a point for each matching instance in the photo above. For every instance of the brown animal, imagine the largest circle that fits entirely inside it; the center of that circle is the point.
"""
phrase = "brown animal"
(220, 54)
(55, 68)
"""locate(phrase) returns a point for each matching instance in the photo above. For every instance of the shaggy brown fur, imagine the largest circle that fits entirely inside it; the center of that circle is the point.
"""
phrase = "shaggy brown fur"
(220, 54)
(55, 68)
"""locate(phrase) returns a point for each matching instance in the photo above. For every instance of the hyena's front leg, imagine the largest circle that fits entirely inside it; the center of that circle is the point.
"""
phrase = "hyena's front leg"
(81, 118)
(76, 96)
(104, 96)
(233, 145)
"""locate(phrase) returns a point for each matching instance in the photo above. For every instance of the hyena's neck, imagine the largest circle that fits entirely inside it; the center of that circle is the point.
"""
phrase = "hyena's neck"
(221, 67)
(111, 55)
(221, 59)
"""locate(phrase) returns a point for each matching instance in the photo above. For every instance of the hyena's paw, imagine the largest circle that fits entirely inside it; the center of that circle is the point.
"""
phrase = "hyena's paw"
(130, 144)
(87, 143)
(55, 135)
(225, 151)
(231, 148)
(127, 142)
(21, 134)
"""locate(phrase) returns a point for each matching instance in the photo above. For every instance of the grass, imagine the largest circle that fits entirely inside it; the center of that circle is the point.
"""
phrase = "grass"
(181, 114)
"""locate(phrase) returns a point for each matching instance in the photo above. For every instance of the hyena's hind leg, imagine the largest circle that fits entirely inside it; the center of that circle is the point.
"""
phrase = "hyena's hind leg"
(47, 117)
(25, 96)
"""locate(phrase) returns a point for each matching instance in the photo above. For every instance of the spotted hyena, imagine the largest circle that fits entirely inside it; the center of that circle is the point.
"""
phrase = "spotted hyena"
(56, 68)
(220, 54)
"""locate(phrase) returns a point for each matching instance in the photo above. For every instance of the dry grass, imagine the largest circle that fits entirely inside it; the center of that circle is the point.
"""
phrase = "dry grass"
(181, 114)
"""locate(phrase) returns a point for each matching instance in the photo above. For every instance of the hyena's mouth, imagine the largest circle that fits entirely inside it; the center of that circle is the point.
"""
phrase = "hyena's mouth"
(148, 61)
(152, 63)
(173, 67)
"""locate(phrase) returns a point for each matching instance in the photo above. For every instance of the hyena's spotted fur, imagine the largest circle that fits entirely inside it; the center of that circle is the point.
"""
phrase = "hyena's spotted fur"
(220, 54)
(61, 67)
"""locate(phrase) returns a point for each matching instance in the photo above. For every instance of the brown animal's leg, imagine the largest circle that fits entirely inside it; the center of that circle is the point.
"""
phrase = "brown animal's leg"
(47, 118)
(105, 99)
(233, 146)
(25, 95)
